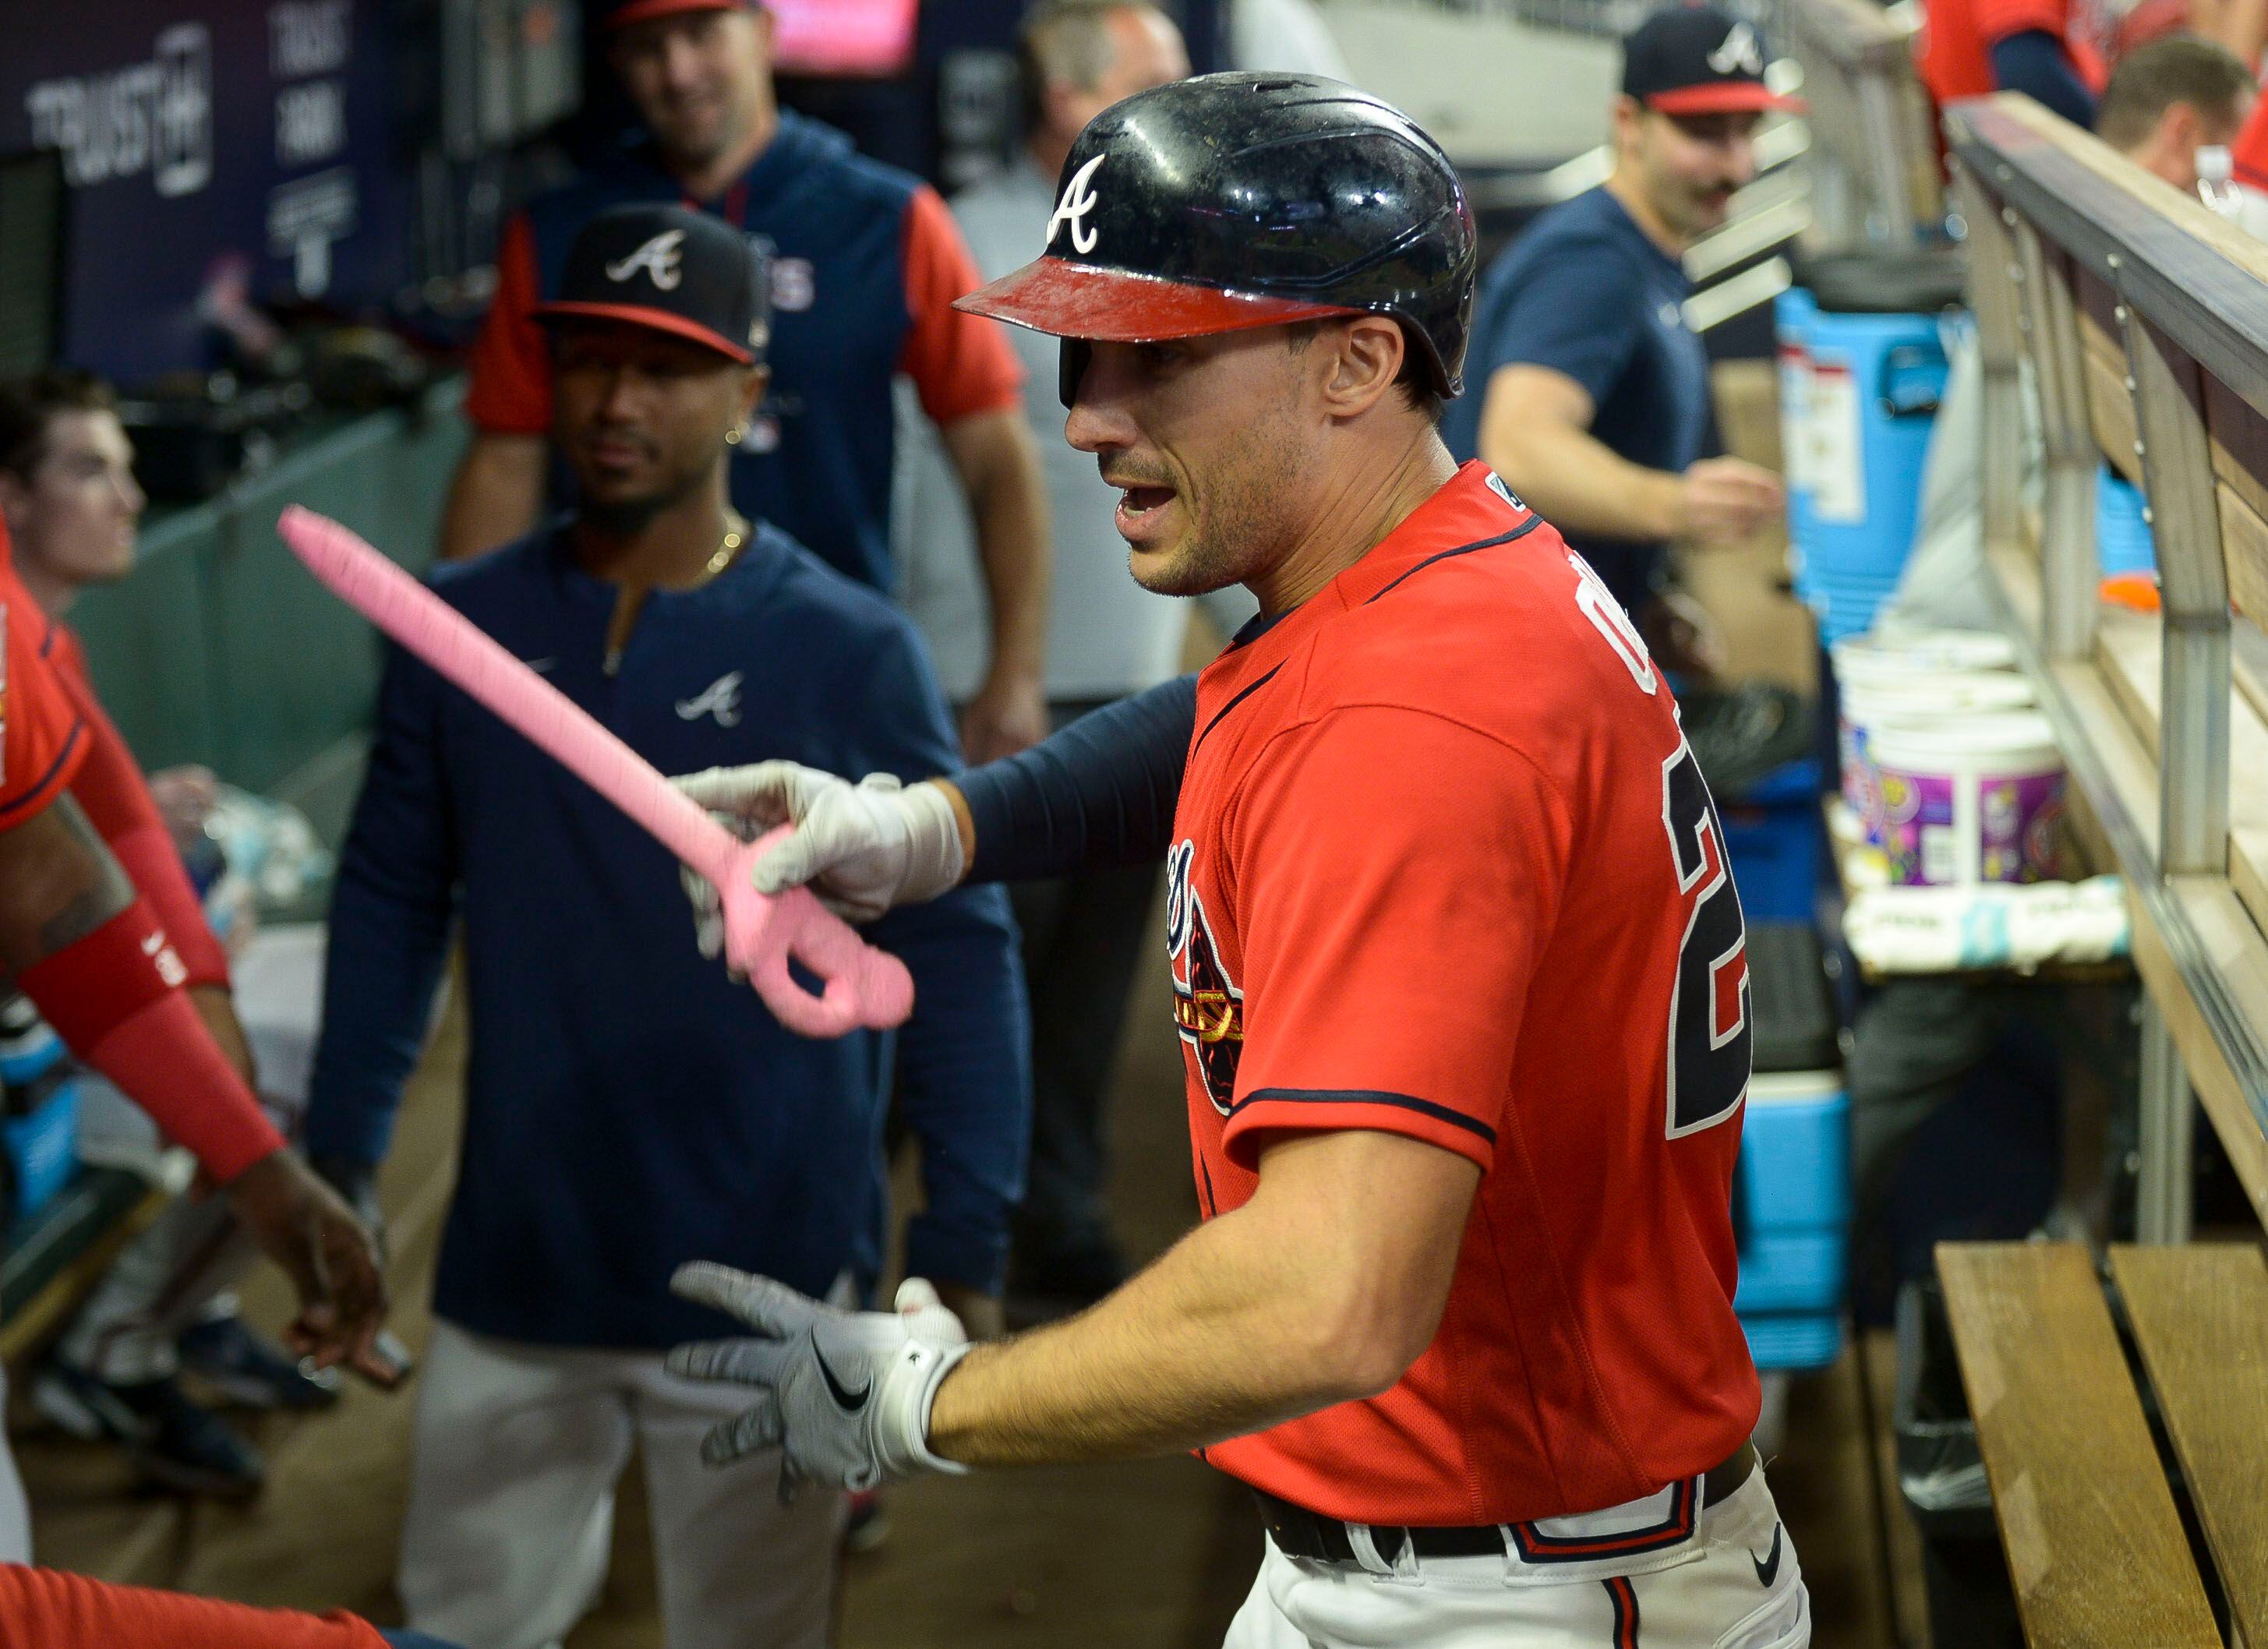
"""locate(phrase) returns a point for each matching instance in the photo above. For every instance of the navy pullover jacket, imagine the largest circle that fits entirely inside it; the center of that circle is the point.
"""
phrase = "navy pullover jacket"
(628, 1107)
(865, 264)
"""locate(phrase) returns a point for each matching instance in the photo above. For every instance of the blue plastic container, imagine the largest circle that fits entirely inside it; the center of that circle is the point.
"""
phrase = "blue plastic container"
(40, 1128)
(1860, 380)
(1795, 1191)
(1777, 844)
(2123, 540)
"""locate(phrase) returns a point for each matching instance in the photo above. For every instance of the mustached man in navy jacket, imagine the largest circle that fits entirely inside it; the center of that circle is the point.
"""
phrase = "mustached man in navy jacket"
(627, 1108)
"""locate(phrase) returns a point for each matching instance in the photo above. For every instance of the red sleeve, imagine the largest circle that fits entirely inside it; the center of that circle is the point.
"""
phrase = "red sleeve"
(113, 997)
(110, 787)
(959, 363)
(43, 741)
(1389, 945)
(511, 390)
(51, 1609)
(1999, 19)
(2249, 152)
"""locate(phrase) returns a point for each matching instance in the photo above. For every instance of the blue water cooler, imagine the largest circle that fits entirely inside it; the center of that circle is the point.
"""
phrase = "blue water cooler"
(1791, 1191)
(1862, 368)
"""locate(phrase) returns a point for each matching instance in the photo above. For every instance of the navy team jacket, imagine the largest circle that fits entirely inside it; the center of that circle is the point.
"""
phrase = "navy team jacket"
(628, 1107)
(865, 262)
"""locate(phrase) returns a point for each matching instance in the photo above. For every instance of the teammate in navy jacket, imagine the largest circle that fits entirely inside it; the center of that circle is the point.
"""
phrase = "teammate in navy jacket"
(865, 265)
(627, 1108)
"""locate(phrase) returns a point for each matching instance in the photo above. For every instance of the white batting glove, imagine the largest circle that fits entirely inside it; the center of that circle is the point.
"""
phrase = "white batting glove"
(862, 848)
(845, 1394)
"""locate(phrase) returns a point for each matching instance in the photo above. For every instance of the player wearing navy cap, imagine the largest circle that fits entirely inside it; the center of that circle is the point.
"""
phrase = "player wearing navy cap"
(628, 1107)
(1459, 972)
(1590, 394)
(865, 264)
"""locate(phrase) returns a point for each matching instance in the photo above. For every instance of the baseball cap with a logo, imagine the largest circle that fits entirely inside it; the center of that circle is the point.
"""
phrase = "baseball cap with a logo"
(630, 11)
(667, 267)
(1696, 60)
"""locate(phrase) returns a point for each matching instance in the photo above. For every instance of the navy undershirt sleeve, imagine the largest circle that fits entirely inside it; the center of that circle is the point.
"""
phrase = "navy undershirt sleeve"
(1098, 793)
(2035, 64)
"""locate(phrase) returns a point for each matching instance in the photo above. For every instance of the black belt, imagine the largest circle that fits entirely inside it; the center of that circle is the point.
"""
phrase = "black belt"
(1300, 1532)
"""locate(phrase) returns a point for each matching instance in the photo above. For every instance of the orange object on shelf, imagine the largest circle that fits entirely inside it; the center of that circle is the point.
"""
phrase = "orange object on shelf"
(2138, 591)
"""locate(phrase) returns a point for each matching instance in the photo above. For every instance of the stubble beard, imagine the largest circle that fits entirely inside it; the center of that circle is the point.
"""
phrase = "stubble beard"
(1245, 528)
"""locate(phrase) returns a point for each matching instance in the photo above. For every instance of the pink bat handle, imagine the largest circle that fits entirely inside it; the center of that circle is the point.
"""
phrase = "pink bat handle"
(864, 987)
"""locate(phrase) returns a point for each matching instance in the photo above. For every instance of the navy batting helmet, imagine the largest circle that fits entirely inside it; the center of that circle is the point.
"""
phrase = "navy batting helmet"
(1244, 200)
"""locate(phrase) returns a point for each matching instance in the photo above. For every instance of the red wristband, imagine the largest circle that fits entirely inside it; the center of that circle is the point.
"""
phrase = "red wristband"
(153, 864)
(115, 998)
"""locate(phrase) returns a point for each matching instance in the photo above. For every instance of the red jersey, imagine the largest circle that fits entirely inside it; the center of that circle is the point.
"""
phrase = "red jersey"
(43, 738)
(2249, 154)
(1954, 51)
(1443, 867)
(46, 1608)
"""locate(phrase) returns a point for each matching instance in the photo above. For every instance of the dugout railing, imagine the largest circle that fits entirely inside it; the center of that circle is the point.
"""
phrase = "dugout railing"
(2119, 319)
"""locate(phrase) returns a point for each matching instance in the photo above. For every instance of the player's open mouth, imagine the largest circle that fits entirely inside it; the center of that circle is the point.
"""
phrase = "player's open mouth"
(1139, 506)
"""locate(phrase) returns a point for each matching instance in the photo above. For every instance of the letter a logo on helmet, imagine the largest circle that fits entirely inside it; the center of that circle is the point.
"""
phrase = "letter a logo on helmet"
(659, 258)
(1078, 199)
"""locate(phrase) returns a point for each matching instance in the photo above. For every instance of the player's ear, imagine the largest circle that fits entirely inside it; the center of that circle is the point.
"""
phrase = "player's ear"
(753, 381)
(1368, 360)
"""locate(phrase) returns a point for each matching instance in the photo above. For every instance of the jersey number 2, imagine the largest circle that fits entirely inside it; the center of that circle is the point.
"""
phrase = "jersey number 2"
(1709, 1005)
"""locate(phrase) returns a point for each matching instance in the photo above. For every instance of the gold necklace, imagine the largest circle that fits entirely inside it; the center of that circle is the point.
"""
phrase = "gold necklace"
(630, 600)
(736, 534)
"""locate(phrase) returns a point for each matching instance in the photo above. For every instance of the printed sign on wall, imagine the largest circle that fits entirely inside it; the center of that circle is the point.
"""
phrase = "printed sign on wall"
(212, 148)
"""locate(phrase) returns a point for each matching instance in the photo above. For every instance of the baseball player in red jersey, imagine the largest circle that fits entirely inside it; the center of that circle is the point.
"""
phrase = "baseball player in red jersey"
(1459, 969)
(79, 940)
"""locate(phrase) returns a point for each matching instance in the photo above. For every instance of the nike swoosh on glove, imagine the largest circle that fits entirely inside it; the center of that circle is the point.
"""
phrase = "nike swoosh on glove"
(846, 1394)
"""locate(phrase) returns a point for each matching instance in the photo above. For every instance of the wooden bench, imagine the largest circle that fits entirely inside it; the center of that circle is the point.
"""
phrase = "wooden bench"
(2096, 1547)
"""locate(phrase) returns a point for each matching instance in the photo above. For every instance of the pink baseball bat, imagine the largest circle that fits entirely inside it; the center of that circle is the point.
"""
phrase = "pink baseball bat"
(864, 987)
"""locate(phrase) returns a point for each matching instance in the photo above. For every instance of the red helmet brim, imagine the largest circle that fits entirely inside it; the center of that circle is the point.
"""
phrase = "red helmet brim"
(1086, 300)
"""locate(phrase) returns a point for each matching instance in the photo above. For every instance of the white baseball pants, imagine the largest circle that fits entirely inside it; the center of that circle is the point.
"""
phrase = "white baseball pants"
(512, 1504)
(1735, 1585)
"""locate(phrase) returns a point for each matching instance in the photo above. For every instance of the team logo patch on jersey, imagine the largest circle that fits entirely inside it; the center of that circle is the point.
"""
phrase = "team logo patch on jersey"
(1208, 1007)
(721, 698)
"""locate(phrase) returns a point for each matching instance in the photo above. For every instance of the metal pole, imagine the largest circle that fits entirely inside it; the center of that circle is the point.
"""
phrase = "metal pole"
(2162, 1210)
(2069, 569)
(2193, 579)
(1995, 285)
(1878, 117)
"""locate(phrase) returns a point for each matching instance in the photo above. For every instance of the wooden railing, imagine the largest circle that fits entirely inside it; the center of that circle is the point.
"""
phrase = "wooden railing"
(2141, 319)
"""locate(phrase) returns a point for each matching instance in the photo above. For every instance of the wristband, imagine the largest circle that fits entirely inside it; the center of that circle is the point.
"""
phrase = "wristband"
(115, 997)
(908, 1392)
(153, 864)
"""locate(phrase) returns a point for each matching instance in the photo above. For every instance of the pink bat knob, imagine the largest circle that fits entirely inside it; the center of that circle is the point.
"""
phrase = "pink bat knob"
(865, 988)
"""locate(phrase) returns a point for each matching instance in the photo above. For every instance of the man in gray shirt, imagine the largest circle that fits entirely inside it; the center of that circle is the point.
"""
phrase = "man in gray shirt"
(1107, 638)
